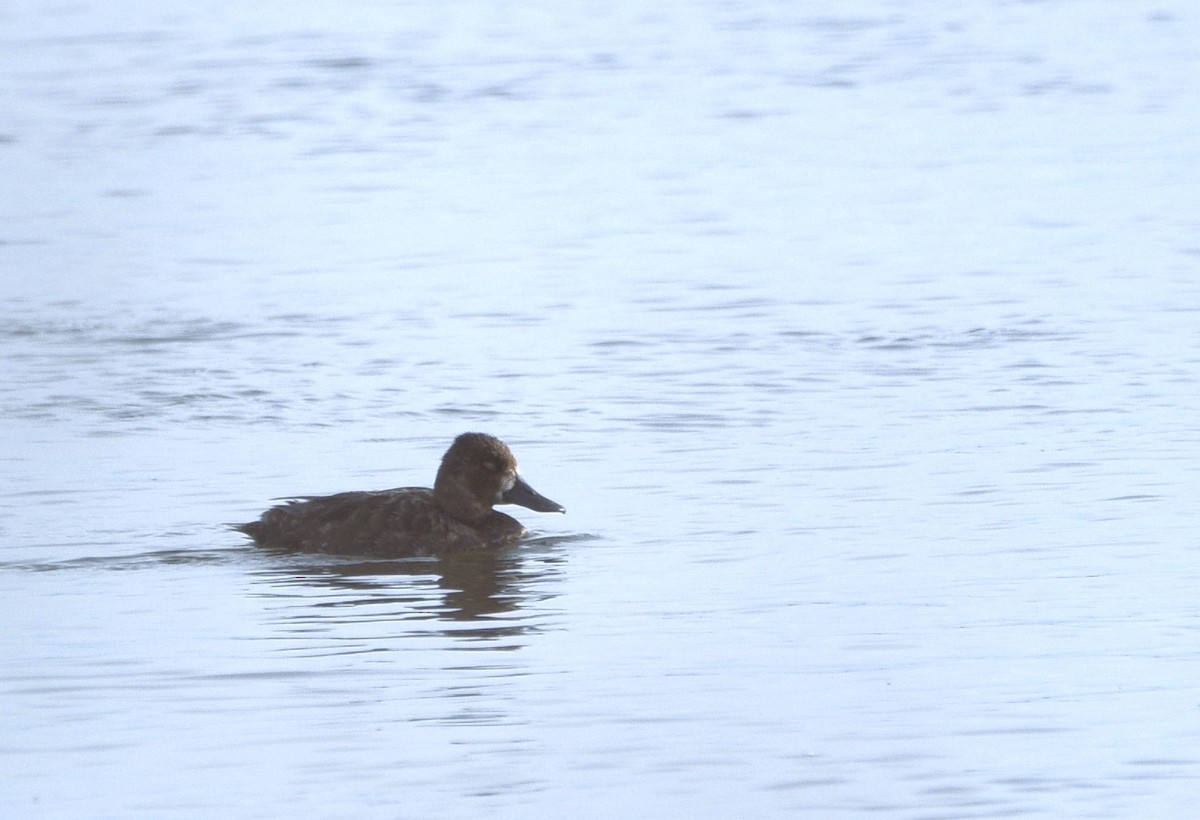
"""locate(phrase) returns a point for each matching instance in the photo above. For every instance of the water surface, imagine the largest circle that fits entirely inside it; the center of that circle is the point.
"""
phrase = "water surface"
(859, 344)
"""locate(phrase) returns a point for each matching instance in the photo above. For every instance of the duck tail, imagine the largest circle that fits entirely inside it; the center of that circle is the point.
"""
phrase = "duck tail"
(251, 529)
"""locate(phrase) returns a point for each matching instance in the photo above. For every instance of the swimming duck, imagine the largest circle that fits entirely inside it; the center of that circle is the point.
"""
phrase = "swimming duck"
(477, 472)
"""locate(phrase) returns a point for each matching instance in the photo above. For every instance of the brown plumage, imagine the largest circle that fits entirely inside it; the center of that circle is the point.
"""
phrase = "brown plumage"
(477, 472)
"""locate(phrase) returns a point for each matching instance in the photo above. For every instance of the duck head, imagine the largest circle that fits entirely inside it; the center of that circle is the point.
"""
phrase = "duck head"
(479, 471)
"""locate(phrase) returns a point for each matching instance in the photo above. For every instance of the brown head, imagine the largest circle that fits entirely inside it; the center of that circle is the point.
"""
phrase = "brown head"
(479, 471)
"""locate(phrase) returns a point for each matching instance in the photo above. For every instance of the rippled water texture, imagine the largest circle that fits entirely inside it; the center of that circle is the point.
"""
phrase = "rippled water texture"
(859, 341)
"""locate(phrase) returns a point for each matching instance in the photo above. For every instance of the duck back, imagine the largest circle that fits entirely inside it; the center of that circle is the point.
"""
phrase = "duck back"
(387, 523)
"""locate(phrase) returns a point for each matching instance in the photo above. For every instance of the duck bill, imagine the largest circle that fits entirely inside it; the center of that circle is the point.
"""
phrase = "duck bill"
(521, 493)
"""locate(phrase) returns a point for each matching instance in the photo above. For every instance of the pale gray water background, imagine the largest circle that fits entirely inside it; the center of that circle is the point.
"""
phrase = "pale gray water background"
(859, 340)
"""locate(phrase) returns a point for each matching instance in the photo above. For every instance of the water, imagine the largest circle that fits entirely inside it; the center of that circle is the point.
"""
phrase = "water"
(859, 342)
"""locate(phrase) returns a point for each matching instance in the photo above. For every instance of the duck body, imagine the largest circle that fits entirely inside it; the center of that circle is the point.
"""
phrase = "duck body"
(477, 472)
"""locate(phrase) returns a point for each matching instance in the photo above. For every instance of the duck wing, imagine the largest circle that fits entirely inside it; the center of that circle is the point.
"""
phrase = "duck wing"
(351, 523)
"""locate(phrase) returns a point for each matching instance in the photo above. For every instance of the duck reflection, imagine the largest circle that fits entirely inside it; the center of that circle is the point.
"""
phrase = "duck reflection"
(483, 594)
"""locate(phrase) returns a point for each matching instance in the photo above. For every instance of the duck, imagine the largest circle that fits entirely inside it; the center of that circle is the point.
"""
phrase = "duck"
(477, 472)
